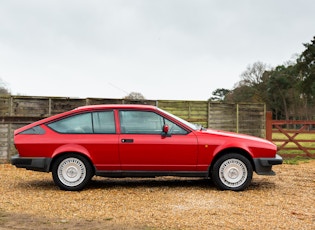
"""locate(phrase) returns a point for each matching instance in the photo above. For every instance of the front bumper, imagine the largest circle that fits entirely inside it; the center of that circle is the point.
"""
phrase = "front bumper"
(263, 166)
(41, 164)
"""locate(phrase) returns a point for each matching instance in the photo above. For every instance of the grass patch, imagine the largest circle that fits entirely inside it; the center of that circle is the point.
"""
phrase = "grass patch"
(296, 160)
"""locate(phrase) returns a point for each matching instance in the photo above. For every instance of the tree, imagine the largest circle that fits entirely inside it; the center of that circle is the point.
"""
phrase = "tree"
(306, 67)
(240, 93)
(282, 91)
(255, 77)
(135, 96)
(288, 90)
(254, 74)
(3, 89)
(252, 86)
(219, 94)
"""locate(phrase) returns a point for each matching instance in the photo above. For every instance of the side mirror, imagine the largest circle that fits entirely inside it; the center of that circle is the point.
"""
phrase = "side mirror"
(165, 133)
(165, 129)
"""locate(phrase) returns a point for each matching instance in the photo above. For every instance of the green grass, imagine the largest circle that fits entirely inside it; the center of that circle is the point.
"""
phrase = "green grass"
(296, 160)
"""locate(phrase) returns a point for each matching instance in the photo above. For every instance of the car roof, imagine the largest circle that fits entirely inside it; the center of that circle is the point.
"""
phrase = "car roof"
(114, 106)
(86, 108)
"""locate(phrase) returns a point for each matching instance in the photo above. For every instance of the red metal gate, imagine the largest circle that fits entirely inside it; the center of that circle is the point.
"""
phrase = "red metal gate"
(290, 145)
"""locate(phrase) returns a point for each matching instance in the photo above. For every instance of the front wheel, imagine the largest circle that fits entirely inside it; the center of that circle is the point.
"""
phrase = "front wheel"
(72, 172)
(232, 172)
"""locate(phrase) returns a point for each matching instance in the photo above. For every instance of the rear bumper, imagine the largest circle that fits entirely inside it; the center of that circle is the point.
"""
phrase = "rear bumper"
(263, 166)
(41, 164)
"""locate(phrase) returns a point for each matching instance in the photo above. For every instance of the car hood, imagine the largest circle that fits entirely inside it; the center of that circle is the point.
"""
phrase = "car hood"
(236, 135)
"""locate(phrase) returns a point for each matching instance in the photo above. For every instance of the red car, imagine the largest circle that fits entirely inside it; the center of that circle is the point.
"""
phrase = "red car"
(138, 141)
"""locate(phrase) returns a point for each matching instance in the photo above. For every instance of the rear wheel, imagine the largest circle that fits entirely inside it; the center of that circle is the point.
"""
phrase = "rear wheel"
(72, 172)
(232, 172)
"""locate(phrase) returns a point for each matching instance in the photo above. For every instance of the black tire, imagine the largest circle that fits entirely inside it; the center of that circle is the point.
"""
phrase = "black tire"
(232, 172)
(72, 172)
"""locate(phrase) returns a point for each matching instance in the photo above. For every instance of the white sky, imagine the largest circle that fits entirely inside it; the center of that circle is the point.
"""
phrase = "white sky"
(164, 49)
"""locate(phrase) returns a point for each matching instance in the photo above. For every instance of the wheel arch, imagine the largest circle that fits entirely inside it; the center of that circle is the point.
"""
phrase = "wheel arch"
(231, 150)
(68, 149)
(62, 154)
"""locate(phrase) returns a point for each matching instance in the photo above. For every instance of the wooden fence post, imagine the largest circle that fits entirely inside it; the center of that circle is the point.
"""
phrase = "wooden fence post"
(269, 125)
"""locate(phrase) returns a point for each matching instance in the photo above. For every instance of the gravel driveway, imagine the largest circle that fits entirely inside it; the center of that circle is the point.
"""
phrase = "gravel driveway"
(30, 200)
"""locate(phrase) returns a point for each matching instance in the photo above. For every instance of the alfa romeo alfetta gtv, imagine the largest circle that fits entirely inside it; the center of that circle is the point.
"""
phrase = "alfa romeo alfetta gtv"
(138, 141)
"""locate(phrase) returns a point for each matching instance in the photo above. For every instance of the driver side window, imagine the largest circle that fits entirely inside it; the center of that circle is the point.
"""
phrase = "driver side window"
(140, 122)
(144, 122)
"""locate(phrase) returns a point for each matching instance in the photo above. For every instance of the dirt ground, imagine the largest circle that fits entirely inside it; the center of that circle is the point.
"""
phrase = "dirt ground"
(30, 200)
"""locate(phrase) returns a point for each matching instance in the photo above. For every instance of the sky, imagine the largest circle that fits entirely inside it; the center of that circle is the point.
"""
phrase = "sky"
(163, 49)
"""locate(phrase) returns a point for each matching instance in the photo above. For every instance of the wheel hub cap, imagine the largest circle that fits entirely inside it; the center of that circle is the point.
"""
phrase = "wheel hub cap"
(233, 173)
(72, 172)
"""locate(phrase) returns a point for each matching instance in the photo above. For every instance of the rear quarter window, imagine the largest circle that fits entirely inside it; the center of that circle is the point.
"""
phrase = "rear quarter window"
(89, 123)
(34, 130)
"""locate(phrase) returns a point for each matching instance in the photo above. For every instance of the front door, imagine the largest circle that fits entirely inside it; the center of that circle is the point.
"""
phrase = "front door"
(144, 147)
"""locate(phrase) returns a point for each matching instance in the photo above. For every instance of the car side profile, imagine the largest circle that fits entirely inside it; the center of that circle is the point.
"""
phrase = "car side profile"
(138, 141)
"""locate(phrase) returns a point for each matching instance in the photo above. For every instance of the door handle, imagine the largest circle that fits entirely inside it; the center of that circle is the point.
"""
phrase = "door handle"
(127, 140)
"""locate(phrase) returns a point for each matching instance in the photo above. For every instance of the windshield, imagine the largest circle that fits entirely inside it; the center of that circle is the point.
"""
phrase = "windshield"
(190, 125)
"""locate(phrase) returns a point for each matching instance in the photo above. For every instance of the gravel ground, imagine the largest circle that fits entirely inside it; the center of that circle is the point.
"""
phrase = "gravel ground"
(30, 200)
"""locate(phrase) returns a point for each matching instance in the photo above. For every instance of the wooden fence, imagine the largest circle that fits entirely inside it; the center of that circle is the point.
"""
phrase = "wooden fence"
(17, 111)
(293, 137)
